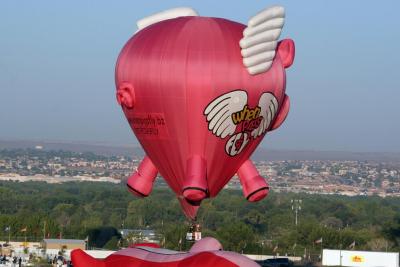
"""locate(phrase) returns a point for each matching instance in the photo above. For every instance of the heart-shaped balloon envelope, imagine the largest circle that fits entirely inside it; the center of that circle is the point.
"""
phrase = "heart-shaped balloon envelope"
(200, 93)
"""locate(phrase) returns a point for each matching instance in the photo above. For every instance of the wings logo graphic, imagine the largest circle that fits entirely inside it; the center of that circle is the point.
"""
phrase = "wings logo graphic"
(230, 112)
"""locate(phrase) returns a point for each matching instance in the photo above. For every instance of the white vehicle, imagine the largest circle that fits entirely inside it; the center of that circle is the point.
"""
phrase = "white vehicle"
(359, 258)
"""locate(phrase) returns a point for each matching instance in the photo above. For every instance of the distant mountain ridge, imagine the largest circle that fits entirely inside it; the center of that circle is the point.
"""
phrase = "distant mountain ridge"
(261, 154)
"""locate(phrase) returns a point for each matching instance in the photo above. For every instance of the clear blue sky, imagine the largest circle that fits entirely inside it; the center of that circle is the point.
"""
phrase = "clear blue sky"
(57, 70)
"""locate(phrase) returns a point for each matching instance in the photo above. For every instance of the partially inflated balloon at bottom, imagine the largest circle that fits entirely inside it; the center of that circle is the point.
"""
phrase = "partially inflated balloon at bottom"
(204, 253)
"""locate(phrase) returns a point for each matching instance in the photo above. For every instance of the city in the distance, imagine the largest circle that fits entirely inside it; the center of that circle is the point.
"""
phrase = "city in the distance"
(342, 173)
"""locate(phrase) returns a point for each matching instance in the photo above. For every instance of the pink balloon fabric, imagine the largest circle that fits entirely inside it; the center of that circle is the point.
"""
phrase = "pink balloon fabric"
(206, 244)
(195, 109)
(204, 253)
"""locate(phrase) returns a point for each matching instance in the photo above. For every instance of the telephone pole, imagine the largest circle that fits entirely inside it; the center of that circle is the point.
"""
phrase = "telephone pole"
(44, 230)
(296, 208)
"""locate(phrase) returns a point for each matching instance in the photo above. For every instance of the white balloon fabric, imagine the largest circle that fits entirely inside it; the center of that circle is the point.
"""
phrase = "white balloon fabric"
(166, 14)
(260, 39)
(269, 107)
(219, 112)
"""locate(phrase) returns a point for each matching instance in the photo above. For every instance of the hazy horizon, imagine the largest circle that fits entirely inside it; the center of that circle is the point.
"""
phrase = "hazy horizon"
(71, 145)
(57, 71)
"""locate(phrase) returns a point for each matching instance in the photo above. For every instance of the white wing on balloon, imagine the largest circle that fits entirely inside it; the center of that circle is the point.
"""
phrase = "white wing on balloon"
(269, 107)
(166, 14)
(219, 112)
(260, 39)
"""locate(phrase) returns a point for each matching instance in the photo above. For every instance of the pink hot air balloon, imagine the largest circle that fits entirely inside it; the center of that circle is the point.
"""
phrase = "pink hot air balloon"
(200, 93)
(204, 253)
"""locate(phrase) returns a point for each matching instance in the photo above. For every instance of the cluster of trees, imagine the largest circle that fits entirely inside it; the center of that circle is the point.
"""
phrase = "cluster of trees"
(78, 210)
